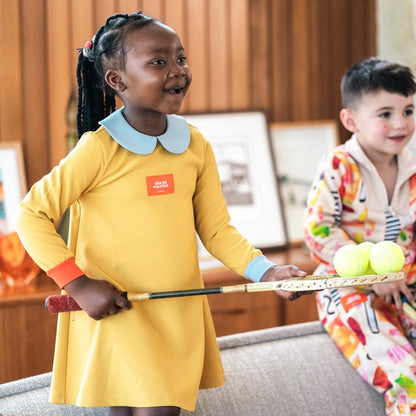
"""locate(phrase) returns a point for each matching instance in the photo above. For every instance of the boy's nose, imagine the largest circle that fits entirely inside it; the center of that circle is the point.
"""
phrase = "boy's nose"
(399, 122)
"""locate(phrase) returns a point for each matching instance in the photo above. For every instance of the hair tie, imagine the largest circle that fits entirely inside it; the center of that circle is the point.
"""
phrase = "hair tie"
(86, 50)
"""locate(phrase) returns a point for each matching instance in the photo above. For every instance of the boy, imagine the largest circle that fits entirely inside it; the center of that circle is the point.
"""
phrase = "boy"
(365, 190)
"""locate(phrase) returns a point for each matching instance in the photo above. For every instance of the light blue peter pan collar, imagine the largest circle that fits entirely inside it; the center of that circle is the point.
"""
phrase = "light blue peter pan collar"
(176, 139)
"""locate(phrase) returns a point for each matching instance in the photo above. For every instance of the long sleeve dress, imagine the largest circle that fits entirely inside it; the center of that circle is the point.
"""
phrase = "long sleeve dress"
(136, 202)
(348, 203)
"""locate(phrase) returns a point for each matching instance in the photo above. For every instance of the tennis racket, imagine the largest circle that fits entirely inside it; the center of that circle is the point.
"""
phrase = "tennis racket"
(65, 303)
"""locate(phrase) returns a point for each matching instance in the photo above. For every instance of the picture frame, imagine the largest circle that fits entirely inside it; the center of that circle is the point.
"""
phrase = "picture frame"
(241, 144)
(12, 183)
(314, 138)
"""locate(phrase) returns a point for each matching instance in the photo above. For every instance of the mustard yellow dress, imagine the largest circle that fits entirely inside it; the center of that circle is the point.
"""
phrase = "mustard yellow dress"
(136, 202)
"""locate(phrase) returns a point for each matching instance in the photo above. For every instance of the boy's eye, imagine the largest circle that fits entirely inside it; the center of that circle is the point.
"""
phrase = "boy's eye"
(408, 112)
(182, 59)
(386, 114)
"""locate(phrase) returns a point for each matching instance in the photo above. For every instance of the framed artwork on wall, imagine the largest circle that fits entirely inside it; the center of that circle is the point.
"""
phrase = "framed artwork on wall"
(298, 148)
(12, 183)
(244, 158)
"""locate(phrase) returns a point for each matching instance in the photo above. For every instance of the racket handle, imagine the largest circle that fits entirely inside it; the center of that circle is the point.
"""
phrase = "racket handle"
(61, 303)
(65, 303)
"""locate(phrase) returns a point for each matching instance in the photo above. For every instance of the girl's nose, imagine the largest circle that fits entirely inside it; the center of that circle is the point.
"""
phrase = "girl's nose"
(177, 71)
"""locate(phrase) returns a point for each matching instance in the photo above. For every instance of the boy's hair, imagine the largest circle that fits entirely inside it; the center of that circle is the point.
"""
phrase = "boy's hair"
(374, 74)
(107, 50)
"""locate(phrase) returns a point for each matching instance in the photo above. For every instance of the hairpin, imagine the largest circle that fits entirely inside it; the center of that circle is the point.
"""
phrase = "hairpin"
(86, 50)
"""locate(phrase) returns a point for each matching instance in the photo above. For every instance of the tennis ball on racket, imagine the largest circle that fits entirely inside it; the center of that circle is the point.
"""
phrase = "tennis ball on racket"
(365, 247)
(350, 261)
(386, 257)
(369, 270)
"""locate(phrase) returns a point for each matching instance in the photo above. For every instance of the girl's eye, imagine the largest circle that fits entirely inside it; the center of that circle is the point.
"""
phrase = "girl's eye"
(158, 62)
(182, 59)
(408, 112)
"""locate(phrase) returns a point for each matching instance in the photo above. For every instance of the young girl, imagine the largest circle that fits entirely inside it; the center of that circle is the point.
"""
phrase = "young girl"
(366, 191)
(140, 182)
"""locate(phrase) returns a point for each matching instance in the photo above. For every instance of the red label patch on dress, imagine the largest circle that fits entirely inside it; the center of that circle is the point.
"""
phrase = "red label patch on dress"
(160, 184)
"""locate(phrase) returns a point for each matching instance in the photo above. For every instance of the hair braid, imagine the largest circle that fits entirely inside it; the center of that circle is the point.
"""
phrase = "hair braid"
(96, 100)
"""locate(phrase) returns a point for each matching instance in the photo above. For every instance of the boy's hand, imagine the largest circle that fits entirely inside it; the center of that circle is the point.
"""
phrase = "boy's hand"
(277, 273)
(96, 297)
(391, 292)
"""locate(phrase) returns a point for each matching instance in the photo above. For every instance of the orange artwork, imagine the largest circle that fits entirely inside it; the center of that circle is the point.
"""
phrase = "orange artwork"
(16, 266)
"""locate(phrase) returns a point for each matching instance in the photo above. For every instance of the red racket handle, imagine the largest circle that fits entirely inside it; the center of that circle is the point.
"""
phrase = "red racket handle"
(64, 303)
(61, 303)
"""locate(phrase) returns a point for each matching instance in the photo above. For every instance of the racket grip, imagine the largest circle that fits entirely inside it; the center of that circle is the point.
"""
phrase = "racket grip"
(65, 303)
(61, 303)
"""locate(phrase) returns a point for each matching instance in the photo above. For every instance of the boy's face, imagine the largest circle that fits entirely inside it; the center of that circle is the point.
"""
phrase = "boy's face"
(383, 122)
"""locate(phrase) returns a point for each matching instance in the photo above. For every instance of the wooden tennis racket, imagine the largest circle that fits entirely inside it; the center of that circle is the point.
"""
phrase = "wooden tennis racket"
(65, 303)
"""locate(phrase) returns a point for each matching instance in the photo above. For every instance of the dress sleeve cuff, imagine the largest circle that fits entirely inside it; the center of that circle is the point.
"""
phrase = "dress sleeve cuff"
(65, 272)
(257, 267)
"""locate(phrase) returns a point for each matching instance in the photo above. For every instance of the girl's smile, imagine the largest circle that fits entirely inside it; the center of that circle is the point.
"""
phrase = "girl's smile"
(175, 90)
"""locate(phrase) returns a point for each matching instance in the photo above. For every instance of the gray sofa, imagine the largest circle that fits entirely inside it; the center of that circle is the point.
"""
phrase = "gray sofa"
(292, 370)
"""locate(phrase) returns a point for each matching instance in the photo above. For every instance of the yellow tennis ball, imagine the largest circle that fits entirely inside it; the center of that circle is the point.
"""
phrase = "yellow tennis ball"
(365, 247)
(369, 270)
(350, 261)
(386, 257)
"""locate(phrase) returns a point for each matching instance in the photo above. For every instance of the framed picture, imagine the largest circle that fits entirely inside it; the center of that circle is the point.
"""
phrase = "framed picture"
(298, 148)
(243, 153)
(12, 183)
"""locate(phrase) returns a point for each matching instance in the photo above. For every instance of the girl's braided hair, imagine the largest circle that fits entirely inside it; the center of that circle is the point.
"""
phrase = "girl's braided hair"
(96, 100)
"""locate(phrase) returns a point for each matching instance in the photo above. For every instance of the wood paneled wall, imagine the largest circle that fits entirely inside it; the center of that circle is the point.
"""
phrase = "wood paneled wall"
(285, 57)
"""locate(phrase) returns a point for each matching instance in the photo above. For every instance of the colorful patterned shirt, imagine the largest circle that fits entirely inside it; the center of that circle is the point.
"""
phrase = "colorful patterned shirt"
(348, 202)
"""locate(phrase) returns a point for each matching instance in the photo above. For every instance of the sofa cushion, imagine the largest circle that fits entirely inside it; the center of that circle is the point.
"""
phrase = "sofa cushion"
(290, 370)
(29, 397)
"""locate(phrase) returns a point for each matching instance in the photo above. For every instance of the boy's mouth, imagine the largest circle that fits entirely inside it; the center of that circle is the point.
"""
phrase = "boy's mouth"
(397, 138)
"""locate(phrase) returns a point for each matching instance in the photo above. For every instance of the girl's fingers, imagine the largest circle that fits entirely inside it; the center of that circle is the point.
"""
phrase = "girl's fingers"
(122, 302)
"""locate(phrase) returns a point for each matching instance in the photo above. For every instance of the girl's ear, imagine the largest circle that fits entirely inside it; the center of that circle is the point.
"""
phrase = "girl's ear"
(347, 119)
(114, 80)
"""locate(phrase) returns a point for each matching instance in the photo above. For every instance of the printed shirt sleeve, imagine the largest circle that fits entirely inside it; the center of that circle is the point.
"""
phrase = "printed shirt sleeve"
(336, 182)
(47, 201)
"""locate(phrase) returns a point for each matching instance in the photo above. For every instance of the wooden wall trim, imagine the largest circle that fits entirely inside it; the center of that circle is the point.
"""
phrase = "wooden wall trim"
(11, 100)
(285, 57)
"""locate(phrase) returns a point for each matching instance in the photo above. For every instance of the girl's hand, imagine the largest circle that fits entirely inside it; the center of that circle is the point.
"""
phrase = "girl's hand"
(276, 273)
(391, 292)
(96, 297)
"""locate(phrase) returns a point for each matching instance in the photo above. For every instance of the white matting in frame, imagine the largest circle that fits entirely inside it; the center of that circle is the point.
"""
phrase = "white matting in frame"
(12, 184)
(244, 158)
(298, 148)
